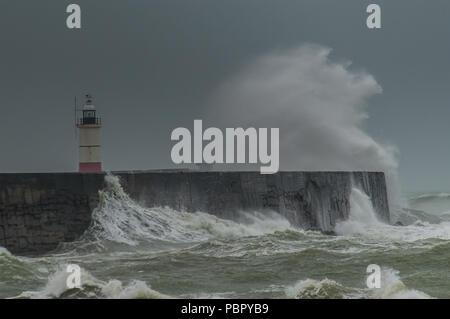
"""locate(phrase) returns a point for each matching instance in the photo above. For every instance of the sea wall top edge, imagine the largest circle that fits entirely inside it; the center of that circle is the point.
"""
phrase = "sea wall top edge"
(172, 171)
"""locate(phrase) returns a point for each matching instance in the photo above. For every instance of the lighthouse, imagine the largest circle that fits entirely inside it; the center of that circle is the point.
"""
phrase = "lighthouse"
(89, 148)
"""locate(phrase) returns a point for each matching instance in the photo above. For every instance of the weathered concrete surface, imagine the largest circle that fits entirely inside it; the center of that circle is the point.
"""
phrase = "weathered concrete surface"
(38, 211)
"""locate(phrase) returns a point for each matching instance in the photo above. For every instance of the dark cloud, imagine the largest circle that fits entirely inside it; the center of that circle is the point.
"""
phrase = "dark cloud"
(153, 65)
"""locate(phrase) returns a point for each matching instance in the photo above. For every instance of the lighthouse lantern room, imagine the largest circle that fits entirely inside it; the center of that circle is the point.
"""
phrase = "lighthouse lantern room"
(89, 132)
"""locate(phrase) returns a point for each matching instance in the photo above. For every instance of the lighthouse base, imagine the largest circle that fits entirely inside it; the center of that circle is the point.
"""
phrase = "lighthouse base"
(90, 167)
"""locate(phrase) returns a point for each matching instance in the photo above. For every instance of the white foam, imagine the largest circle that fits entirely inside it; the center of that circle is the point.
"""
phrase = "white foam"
(362, 215)
(316, 289)
(137, 289)
(363, 222)
(56, 286)
(391, 288)
(4, 252)
(120, 219)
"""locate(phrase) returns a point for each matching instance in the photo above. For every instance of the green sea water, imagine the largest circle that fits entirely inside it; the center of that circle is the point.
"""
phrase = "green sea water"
(135, 252)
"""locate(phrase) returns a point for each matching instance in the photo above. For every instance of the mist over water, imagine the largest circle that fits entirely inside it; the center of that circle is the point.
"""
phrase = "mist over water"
(135, 252)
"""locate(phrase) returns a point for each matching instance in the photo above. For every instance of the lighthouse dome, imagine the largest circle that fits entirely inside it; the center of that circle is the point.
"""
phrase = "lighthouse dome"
(88, 107)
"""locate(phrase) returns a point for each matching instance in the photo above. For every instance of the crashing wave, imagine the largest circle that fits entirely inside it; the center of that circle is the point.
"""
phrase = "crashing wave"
(92, 287)
(391, 288)
(119, 219)
(363, 222)
(315, 289)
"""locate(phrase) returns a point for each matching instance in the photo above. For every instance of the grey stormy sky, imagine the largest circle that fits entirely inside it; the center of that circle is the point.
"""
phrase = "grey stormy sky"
(153, 66)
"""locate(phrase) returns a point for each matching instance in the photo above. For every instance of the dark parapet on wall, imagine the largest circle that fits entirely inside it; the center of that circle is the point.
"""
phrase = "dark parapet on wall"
(39, 211)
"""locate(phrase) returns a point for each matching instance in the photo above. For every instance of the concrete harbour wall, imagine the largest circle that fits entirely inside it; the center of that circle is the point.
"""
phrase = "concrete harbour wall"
(39, 211)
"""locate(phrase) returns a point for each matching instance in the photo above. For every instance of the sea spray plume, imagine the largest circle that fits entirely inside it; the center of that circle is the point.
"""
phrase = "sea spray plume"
(362, 222)
(362, 215)
(319, 106)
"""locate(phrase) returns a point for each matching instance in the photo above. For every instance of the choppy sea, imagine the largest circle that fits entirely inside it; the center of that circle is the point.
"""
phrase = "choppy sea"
(131, 251)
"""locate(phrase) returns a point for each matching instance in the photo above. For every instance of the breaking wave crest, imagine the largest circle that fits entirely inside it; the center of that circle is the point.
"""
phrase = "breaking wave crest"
(315, 289)
(432, 196)
(119, 219)
(92, 287)
(391, 288)
(438, 204)
(363, 222)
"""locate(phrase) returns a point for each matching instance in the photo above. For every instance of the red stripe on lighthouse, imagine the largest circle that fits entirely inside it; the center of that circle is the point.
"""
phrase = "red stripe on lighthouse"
(90, 167)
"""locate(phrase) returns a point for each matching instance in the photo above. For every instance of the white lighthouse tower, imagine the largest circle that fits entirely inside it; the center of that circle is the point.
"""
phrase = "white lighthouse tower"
(89, 128)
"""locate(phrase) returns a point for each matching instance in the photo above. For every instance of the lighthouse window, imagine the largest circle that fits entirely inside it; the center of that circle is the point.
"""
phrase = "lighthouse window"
(89, 114)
